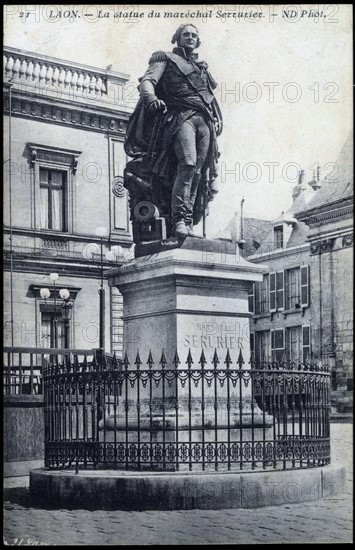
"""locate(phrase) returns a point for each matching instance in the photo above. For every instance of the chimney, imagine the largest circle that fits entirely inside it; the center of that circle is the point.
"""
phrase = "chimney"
(298, 188)
(241, 241)
(315, 184)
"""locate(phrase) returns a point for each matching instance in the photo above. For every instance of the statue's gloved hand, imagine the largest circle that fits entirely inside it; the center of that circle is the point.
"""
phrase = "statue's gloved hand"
(157, 105)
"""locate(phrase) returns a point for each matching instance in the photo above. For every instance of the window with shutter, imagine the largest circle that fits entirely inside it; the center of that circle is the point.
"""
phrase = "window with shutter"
(293, 289)
(251, 299)
(252, 343)
(262, 346)
(279, 237)
(306, 343)
(262, 295)
(304, 285)
(257, 297)
(280, 290)
(294, 344)
(272, 293)
(278, 344)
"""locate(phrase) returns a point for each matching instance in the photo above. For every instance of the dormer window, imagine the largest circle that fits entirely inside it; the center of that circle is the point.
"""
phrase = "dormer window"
(279, 236)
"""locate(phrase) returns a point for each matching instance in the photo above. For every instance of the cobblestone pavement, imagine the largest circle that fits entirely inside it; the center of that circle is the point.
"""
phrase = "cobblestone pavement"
(326, 521)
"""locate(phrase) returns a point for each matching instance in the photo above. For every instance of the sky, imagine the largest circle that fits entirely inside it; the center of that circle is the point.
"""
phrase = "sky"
(284, 81)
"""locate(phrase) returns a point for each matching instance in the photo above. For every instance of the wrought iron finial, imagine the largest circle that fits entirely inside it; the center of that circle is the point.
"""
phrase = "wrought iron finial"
(94, 363)
(240, 359)
(202, 360)
(114, 361)
(215, 360)
(163, 362)
(228, 359)
(103, 360)
(176, 360)
(150, 361)
(76, 361)
(125, 361)
(189, 360)
(138, 361)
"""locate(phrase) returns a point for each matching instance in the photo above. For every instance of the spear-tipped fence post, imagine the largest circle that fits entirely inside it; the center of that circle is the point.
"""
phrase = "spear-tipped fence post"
(126, 363)
(94, 363)
(163, 362)
(215, 359)
(240, 363)
(189, 360)
(176, 360)
(228, 362)
(202, 360)
(215, 362)
(103, 358)
(138, 361)
(228, 359)
(240, 359)
(176, 363)
(150, 361)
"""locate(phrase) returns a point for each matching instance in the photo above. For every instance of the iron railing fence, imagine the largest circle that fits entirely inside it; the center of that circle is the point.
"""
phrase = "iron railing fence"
(23, 366)
(174, 416)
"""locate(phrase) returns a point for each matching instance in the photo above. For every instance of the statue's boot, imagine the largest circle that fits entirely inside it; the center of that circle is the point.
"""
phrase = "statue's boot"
(190, 203)
(190, 230)
(180, 229)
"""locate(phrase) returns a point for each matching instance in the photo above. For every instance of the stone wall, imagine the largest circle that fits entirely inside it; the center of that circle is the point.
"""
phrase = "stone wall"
(23, 435)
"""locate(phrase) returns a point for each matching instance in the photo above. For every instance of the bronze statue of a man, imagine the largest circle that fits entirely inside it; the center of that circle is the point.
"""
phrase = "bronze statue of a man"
(172, 137)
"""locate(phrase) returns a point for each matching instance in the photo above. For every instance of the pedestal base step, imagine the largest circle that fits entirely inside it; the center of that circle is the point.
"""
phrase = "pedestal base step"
(127, 490)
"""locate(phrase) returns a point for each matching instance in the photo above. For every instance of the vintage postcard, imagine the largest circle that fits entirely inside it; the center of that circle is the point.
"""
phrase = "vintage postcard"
(178, 274)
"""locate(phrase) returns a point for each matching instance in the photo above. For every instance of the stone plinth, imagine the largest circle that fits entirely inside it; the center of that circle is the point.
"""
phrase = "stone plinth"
(186, 295)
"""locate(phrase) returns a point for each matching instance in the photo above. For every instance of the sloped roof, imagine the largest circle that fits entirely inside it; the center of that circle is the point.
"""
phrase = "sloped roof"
(298, 237)
(341, 184)
(301, 203)
(255, 231)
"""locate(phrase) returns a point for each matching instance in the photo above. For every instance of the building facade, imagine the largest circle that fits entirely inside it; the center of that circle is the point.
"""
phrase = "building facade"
(65, 208)
(329, 217)
(281, 304)
(303, 309)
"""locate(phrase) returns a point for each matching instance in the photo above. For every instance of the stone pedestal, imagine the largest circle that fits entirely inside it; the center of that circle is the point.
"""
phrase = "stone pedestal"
(186, 295)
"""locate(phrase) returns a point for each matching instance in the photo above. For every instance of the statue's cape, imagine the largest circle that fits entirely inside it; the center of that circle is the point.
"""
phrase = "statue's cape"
(136, 128)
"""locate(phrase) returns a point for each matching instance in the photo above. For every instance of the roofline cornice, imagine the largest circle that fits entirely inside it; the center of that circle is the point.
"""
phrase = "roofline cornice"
(336, 209)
